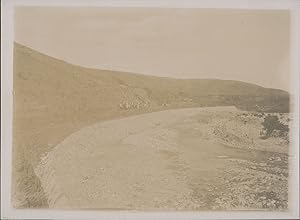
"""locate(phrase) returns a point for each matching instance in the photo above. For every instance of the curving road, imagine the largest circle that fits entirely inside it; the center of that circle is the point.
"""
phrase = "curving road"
(160, 160)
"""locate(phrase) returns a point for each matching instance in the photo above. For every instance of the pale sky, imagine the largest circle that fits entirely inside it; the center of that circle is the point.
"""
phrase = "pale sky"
(244, 45)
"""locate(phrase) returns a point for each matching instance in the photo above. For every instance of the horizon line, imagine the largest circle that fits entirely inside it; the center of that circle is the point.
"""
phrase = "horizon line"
(142, 73)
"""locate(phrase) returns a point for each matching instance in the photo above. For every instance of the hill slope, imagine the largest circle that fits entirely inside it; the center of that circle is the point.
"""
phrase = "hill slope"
(53, 98)
(49, 93)
(44, 83)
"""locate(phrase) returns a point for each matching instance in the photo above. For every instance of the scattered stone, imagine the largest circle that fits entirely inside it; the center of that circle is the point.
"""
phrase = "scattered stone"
(273, 201)
(278, 158)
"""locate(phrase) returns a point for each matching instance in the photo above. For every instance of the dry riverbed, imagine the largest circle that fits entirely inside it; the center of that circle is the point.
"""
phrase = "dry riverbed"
(184, 159)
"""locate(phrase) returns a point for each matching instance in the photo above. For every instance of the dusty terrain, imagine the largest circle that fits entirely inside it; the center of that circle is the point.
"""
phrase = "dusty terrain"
(53, 99)
(168, 160)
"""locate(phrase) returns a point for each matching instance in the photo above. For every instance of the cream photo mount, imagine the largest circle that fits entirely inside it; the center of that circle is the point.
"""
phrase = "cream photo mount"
(7, 42)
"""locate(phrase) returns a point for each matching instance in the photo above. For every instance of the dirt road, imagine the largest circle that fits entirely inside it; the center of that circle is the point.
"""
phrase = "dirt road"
(162, 160)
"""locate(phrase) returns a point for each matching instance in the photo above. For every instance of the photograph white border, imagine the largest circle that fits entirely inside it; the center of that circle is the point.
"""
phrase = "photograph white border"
(7, 36)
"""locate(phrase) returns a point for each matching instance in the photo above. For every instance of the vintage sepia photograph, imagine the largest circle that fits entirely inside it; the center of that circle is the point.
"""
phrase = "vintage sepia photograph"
(151, 109)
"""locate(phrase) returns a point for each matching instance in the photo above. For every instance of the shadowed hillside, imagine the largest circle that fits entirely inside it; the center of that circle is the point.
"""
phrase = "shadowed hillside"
(53, 98)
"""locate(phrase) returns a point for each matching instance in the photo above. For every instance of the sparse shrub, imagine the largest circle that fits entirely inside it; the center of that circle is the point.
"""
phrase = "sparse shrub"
(260, 115)
(257, 115)
(272, 123)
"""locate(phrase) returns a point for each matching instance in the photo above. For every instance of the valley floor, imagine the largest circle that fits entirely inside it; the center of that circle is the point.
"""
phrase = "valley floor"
(183, 159)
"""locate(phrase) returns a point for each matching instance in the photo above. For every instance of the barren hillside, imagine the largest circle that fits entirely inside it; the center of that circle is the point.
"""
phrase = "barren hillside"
(53, 99)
